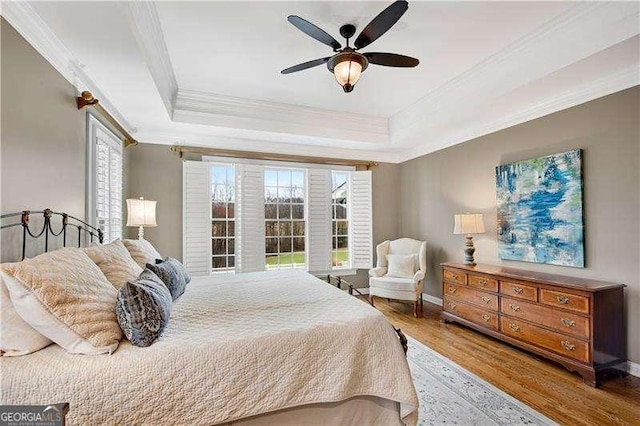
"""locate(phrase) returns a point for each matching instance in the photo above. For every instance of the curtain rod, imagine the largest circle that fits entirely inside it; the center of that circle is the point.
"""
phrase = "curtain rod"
(87, 99)
(253, 155)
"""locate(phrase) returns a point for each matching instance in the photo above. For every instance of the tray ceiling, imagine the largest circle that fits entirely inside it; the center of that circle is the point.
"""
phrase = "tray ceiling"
(208, 73)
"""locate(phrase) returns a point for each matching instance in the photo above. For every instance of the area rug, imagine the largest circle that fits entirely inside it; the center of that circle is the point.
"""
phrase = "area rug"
(449, 394)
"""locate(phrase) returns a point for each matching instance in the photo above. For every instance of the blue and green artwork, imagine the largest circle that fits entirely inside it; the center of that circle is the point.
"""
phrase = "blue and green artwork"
(540, 210)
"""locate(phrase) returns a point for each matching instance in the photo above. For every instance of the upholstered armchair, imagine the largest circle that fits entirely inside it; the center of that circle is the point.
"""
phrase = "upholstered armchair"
(403, 278)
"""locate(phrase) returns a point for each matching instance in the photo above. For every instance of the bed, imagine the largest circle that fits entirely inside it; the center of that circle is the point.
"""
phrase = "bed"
(278, 347)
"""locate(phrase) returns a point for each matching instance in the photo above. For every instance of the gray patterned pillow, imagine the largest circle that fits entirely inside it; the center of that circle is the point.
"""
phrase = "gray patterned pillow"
(173, 274)
(143, 308)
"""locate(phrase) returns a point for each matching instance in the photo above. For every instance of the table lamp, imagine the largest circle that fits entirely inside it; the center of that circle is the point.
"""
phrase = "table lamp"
(468, 223)
(141, 213)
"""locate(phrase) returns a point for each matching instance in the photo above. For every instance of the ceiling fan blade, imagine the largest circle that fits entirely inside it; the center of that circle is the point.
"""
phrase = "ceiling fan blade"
(381, 23)
(391, 60)
(305, 65)
(313, 31)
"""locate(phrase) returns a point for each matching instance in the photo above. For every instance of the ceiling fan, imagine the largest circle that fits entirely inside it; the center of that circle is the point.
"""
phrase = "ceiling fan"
(347, 64)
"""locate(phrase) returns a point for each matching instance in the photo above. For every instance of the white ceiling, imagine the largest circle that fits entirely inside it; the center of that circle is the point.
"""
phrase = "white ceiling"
(208, 73)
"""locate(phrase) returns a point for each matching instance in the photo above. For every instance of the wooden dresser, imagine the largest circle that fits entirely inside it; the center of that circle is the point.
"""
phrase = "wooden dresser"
(576, 322)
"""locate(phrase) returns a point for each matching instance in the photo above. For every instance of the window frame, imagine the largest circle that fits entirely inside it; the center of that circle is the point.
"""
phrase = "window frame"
(334, 220)
(278, 220)
(93, 122)
(227, 268)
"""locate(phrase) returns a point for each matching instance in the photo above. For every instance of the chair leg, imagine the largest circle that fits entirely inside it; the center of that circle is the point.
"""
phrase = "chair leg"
(371, 300)
(417, 308)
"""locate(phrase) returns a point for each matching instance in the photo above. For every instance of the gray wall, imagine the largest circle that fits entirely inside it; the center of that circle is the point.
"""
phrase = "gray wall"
(461, 178)
(156, 174)
(43, 143)
(43, 140)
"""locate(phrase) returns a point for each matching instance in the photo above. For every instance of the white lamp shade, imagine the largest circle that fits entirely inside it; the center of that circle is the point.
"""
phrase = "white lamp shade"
(141, 212)
(470, 223)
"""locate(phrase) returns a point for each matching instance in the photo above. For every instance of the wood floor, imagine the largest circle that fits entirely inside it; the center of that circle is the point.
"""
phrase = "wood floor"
(541, 384)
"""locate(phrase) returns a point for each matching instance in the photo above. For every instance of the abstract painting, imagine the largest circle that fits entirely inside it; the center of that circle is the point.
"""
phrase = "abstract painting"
(540, 210)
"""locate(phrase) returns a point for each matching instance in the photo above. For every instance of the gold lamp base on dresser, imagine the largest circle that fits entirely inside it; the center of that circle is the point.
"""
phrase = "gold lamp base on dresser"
(576, 322)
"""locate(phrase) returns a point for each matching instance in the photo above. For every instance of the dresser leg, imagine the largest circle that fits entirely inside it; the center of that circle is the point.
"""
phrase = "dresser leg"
(591, 378)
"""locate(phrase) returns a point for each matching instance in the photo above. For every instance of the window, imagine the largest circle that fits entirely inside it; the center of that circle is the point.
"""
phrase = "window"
(105, 197)
(222, 217)
(251, 216)
(284, 215)
(340, 220)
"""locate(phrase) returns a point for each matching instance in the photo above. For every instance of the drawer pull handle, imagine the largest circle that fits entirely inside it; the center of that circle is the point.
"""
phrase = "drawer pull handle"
(568, 346)
(567, 322)
(563, 299)
(518, 290)
(514, 307)
(486, 317)
(486, 299)
(483, 282)
(514, 327)
(454, 276)
(452, 305)
(452, 290)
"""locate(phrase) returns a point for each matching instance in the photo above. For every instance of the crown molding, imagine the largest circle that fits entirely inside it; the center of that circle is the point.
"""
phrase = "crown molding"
(582, 30)
(246, 144)
(147, 29)
(623, 79)
(28, 23)
(229, 111)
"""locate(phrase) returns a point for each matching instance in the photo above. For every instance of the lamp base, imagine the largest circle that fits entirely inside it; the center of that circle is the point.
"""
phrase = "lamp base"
(469, 249)
(141, 232)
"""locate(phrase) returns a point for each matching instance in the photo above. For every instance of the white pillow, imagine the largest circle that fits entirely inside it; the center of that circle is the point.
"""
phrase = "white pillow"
(401, 265)
(65, 297)
(17, 337)
(115, 262)
(142, 252)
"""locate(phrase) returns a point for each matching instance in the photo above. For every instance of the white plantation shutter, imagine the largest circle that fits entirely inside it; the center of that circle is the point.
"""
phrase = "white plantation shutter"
(361, 220)
(196, 217)
(319, 221)
(250, 242)
(107, 150)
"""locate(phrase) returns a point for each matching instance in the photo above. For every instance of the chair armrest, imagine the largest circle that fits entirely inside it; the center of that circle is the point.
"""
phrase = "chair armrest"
(418, 276)
(377, 272)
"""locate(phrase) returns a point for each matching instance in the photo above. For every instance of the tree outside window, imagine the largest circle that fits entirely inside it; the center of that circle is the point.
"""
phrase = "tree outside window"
(284, 212)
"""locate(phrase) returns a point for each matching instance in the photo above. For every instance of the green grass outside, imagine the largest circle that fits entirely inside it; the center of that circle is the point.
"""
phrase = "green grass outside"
(299, 257)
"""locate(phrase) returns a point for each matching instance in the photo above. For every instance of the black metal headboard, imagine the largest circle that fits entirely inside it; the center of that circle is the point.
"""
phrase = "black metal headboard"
(47, 230)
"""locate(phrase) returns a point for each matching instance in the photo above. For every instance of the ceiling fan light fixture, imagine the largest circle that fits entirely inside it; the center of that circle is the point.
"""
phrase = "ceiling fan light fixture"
(347, 67)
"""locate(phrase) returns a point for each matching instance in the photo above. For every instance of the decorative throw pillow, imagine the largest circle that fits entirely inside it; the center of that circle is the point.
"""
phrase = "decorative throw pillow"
(173, 274)
(65, 297)
(143, 308)
(17, 337)
(401, 265)
(142, 251)
(115, 262)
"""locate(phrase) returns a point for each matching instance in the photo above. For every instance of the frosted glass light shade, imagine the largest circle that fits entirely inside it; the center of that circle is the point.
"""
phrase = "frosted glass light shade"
(469, 223)
(347, 72)
(141, 212)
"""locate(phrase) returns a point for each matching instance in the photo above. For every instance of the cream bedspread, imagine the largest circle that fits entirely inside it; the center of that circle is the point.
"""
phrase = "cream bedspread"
(236, 346)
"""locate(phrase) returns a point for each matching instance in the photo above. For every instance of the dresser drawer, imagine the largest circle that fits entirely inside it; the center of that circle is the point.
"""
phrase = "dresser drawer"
(471, 313)
(556, 342)
(519, 290)
(455, 276)
(483, 283)
(563, 300)
(564, 322)
(471, 295)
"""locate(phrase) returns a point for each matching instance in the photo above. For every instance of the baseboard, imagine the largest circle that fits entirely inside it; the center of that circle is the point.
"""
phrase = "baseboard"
(633, 368)
(432, 299)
